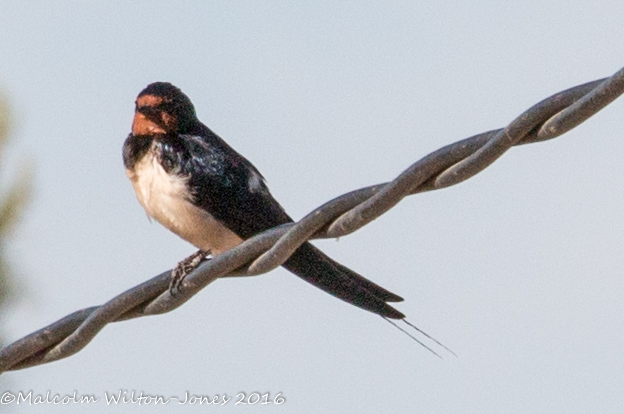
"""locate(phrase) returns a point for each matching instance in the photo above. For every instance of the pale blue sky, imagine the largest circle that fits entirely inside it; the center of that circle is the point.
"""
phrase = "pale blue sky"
(518, 270)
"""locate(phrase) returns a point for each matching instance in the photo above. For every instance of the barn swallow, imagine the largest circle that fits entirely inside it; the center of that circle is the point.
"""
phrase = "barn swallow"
(193, 183)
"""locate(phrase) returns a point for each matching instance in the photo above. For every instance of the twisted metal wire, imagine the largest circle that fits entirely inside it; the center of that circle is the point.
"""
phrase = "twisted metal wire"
(341, 216)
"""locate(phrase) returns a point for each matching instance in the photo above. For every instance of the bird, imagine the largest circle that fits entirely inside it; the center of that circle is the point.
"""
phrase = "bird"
(193, 183)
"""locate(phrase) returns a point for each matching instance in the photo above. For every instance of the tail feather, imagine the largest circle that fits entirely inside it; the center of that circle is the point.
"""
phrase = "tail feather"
(372, 287)
(315, 267)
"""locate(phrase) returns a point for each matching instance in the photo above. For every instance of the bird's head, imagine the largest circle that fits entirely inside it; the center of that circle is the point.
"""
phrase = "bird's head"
(162, 108)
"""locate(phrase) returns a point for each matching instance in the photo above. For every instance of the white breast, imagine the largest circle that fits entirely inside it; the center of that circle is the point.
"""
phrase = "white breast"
(165, 198)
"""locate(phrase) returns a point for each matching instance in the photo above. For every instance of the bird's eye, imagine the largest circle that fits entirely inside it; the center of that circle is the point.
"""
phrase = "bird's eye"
(168, 107)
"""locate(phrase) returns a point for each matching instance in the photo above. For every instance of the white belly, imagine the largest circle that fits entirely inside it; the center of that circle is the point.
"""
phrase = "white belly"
(164, 197)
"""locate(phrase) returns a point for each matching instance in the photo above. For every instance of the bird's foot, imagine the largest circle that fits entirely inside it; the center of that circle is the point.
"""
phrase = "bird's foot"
(183, 268)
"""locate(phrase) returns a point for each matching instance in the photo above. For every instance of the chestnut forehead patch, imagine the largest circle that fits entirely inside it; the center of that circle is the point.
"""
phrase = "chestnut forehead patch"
(149, 100)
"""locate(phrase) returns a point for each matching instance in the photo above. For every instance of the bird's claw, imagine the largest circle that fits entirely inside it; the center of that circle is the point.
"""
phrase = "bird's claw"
(183, 268)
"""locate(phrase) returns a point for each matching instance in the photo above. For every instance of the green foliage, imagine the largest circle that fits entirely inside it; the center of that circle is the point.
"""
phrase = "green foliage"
(12, 203)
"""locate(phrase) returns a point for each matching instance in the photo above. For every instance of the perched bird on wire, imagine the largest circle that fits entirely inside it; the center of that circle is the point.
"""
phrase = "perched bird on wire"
(197, 186)
(193, 183)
